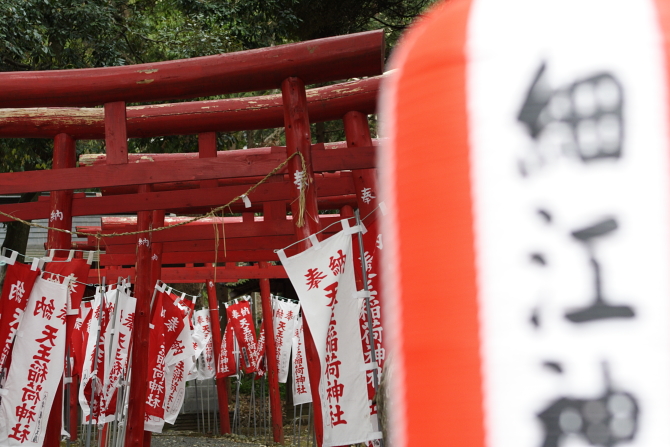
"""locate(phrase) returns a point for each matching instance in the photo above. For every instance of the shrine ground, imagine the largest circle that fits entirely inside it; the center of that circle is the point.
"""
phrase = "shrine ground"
(193, 439)
(179, 439)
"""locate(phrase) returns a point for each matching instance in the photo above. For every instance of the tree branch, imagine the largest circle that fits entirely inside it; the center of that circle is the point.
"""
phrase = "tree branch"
(15, 64)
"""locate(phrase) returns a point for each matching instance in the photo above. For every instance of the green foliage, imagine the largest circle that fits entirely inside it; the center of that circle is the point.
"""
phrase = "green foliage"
(48, 34)
(25, 154)
(248, 23)
(61, 34)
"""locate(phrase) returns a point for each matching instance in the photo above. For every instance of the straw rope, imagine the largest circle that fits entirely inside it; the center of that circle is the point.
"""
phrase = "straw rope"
(300, 221)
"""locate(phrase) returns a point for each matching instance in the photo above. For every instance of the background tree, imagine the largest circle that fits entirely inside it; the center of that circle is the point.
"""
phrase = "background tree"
(62, 34)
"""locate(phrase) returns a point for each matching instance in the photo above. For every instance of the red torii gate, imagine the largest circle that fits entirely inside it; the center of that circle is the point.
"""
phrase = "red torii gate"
(288, 67)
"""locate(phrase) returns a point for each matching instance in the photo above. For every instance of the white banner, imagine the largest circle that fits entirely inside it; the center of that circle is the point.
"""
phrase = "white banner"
(323, 277)
(206, 364)
(302, 392)
(36, 368)
(199, 343)
(175, 380)
(178, 363)
(284, 315)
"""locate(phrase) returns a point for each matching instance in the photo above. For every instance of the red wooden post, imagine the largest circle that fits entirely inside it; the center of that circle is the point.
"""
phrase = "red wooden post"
(271, 355)
(207, 149)
(157, 220)
(74, 408)
(298, 139)
(143, 292)
(347, 212)
(61, 217)
(61, 201)
(357, 132)
(221, 389)
(116, 140)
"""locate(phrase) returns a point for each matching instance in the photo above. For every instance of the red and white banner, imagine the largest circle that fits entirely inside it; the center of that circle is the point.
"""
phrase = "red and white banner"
(182, 347)
(302, 392)
(19, 280)
(119, 351)
(98, 320)
(373, 244)
(226, 365)
(324, 280)
(76, 269)
(80, 337)
(178, 362)
(239, 317)
(36, 368)
(205, 361)
(167, 323)
(284, 316)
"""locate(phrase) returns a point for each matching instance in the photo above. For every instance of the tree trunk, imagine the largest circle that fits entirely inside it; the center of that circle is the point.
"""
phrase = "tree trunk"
(17, 233)
(320, 132)
(251, 142)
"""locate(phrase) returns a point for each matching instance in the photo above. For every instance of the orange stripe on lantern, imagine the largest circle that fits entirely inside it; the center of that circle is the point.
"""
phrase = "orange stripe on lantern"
(433, 277)
(663, 11)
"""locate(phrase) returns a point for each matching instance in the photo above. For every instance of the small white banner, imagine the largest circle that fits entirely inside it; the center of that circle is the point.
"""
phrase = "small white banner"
(206, 364)
(302, 392)
(284, 315)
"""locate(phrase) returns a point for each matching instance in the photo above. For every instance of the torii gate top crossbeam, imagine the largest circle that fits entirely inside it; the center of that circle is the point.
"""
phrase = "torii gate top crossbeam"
(315, 61)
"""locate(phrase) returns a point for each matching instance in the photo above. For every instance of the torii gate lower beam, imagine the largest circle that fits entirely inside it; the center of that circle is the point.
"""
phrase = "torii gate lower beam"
(236, 165)
(192, 274)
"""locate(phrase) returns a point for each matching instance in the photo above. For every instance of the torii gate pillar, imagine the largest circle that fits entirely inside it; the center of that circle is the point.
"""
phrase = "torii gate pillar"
(299, 139)
(61, 217)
